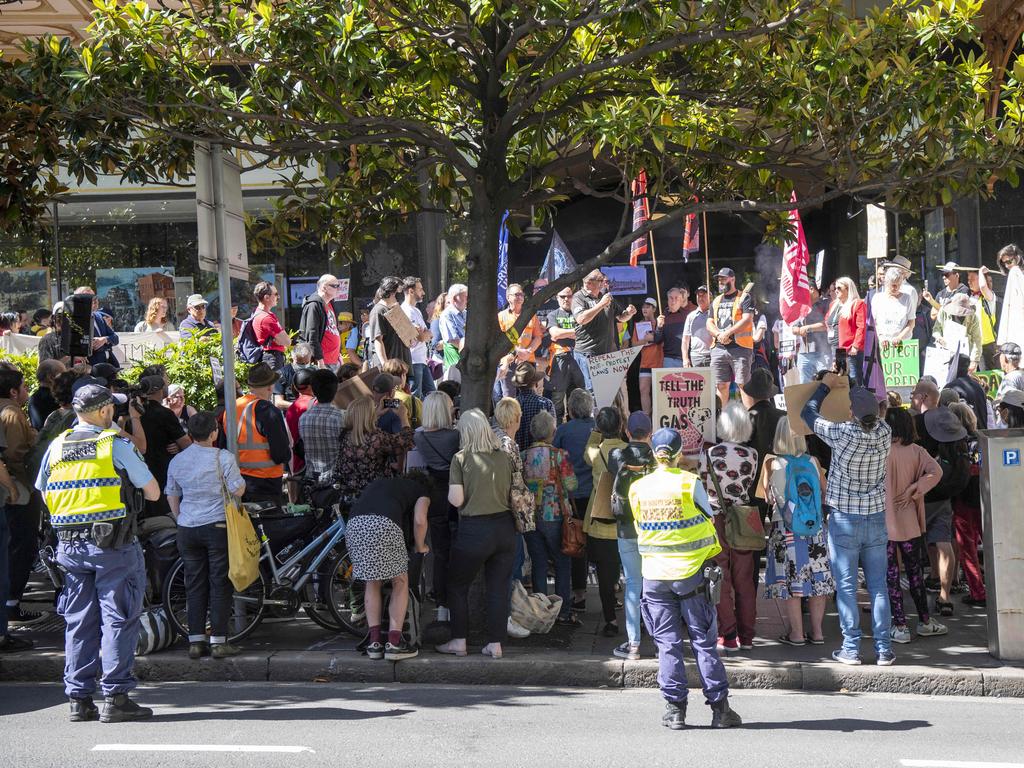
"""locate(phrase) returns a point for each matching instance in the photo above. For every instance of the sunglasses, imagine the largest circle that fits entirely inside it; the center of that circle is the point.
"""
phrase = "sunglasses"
(334, 285)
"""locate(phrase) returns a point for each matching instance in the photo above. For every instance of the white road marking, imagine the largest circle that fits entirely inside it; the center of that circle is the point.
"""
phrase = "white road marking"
(199, 748)
(956, 764)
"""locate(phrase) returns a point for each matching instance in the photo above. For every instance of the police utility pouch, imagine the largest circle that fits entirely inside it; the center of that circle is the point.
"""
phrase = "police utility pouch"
(713, 583)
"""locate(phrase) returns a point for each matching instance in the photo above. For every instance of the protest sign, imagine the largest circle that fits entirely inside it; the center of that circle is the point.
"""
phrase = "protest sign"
(937, 365)
(130, 350)
(684, 400)
(356, 387)
(403, 327)
(990, 380)
(607, 372)
(902, 364)
(836, 406)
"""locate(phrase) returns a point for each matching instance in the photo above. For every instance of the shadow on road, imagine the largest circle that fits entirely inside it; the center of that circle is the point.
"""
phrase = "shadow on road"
(843, 724)
(275, 714)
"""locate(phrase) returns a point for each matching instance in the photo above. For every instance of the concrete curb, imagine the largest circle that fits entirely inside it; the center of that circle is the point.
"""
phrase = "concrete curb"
(536, 669)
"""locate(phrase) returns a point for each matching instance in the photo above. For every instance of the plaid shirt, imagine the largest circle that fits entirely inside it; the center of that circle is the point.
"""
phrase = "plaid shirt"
(320, 429)
(856, 476)
(532, 404)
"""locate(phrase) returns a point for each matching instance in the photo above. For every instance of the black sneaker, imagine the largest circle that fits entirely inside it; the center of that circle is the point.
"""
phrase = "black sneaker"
(120, 709)
(611, 629)
(83, 710)
(579, 605)
(224, 650)
(375, 650)
(12, 644)
(568, 621)
(401, 651)
(722, 715)
(974, 602)
(674, 716)
(18, 615)
(932, 585)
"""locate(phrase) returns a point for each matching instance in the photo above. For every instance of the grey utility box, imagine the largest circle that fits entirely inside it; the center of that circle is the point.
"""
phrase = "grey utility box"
(1002, 509)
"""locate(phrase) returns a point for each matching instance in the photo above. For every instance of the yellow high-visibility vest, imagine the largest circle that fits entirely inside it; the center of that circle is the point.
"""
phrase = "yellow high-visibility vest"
(84, 486)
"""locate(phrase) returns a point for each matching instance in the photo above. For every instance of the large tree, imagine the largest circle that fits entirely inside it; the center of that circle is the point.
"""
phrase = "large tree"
(476, 107)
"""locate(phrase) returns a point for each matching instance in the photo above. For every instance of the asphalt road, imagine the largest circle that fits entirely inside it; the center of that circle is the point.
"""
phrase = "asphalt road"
(306, 725)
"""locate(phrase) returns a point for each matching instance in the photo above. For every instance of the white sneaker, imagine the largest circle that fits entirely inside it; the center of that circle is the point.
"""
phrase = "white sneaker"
(900, 634)
(931, 628)
(516, 630)
(443, 614)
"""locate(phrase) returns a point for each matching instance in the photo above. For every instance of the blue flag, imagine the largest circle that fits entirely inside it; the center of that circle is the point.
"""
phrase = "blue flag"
(503, 261)
(558, 261)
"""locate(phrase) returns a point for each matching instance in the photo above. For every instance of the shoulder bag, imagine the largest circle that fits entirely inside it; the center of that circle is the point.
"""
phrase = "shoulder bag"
(744, 529)
(574, 540)
(243, 543)
(521, 500)
(601, 510)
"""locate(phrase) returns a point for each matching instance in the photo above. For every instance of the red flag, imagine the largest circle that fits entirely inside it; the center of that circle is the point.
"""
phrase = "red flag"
(795, 293)
(691, 236)
(641, 212)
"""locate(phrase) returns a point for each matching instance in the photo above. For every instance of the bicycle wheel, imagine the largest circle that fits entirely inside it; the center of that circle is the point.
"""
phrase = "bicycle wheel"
(315, 599)
(246, 606)
(345, 595)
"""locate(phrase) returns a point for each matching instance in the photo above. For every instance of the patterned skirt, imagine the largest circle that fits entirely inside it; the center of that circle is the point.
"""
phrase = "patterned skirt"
(376, 547)
(796, 566)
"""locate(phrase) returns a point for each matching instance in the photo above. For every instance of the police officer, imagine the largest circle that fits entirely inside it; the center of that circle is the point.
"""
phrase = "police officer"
(87, 477)
(677, 541)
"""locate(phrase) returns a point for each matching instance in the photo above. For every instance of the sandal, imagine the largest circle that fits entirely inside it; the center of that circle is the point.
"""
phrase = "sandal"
(813, 641)
(945, 609)
(786, 640)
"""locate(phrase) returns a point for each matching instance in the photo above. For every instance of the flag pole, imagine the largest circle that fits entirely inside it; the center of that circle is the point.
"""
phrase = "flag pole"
(654, 262)
(707, 251)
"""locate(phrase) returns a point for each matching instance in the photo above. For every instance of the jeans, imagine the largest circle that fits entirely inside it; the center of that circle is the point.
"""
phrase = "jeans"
(860, 541)
(672, 362)
(101, 604)
(488, 542)
(422, 381)
(584, 363)
(208, 589)
(604, 553)
(545, 544)
(809, 363)
(632, 569)
(5, 538)
(23, 524)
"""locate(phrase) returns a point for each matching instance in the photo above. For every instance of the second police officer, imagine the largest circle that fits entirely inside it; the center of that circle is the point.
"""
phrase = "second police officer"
(677, 541)
(88, 476)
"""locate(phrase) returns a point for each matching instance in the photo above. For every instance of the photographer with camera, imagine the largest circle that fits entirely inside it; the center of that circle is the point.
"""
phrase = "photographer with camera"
(163, 432)
(89, 476)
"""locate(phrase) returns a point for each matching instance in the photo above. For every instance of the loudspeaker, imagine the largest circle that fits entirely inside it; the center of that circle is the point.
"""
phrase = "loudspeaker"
(76, 331)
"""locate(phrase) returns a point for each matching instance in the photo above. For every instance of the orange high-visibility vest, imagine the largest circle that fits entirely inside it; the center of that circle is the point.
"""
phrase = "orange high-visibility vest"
(253, 448)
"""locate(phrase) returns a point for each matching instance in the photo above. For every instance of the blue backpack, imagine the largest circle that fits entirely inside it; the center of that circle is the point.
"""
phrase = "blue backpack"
(803, 496)
(248, 348)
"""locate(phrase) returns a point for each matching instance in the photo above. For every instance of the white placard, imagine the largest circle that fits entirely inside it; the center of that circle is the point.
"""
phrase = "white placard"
(937, 364)
(643, 328)
(607, 372)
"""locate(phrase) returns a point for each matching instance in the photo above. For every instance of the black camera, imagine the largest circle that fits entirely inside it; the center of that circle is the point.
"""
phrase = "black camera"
(391, 402)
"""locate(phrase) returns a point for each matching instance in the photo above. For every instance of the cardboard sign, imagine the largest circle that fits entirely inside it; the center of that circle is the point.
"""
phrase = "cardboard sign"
(607, 372)
(356, 387)
(990, 380)
(684, 400)
(403, 326)
(901, 364)
(836, 406)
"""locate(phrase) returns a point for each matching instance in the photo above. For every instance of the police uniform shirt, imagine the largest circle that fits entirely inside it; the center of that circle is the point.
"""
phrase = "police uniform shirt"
(126, 458)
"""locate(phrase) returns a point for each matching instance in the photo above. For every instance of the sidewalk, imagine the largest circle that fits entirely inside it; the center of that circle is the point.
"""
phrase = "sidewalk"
(297, 650)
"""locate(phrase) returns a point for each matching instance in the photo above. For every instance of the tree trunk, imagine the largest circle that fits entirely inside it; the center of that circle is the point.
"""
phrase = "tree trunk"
(485, 344)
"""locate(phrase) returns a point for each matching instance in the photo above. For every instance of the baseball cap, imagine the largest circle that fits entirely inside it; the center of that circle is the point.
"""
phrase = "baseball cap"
(652, 302)
(91, 396)
(863, 402)
(666, 442)
(725, 272)
(702, 289)
(197, 300)
(1010, 349)
(639, 424)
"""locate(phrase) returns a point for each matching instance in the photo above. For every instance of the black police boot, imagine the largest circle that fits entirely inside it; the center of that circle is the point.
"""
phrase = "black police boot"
(674, 716)
(120, 709)
(722, 715)
(83, 710)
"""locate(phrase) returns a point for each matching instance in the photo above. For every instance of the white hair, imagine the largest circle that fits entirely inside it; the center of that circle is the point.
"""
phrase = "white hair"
(852, 295)
(455, 289)
(893, 276)
(324, 280)
(475, 433)
(734, 424)
(302, 351)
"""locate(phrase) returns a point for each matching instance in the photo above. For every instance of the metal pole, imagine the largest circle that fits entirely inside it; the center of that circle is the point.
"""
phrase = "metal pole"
(56, 251)
(654, 263)
(224, 297)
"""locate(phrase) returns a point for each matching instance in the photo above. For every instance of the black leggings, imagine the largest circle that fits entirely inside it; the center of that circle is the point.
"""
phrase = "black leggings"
(441, 524)
(487, 541)
(579, 564)
(604, 553)
(23, 521)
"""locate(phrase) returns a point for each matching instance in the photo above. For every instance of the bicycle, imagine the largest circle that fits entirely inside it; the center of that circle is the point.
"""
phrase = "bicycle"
(317, 579)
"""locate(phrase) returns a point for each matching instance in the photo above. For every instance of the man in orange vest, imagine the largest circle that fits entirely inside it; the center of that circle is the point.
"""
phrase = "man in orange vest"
(263, 443)
(731, 324)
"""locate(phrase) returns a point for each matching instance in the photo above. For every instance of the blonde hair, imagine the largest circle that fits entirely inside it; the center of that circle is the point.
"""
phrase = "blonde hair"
(153, 309)
(507, 411)
(542, 426)
(437, 411)
(361, 420)
(787, 442)
(475, 433)
(439, 305)
(852, 295)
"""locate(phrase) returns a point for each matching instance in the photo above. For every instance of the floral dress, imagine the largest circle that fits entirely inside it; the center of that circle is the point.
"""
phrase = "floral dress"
(796, 566)
(375, 457)
(549, 474)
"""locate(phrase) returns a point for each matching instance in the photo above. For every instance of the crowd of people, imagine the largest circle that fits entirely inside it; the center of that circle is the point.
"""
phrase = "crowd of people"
(894, 486)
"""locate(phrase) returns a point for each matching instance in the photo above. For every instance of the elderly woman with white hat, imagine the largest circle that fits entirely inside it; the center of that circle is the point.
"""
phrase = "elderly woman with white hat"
(959, 310)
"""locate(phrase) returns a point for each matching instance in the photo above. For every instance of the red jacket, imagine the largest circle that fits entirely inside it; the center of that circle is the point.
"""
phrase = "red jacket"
(851, 329)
